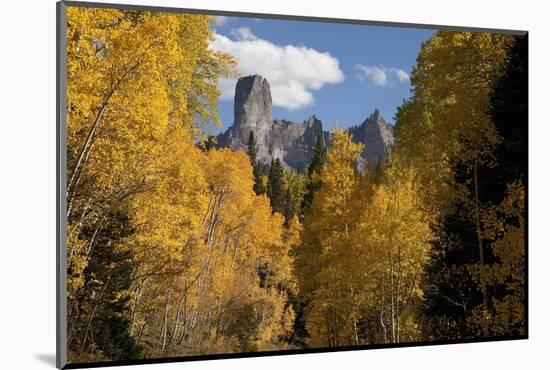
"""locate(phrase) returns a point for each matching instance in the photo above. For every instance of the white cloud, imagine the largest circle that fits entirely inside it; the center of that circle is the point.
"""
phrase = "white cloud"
(377, 75)
(293, 71)
(401, 75)
(243, 34)
(381, 75)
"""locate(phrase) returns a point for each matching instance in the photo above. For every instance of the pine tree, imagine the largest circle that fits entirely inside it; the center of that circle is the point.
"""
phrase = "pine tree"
(508, 108)
(259, 187)
(269, 176)
(276, 191)
(109, 273)
(209, 143)
(289, 205)
(318, 161)
(315, 167)
(252, 148)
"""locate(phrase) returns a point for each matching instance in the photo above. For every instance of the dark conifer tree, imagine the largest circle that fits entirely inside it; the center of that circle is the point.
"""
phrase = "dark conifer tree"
(259, 187)
(104, 314)
(252, 147)
(289, 205)
(300, 334)
(315, 166)
(276, 190)
(508, 108)
(269, 176)
(210, 142)
(318, 160)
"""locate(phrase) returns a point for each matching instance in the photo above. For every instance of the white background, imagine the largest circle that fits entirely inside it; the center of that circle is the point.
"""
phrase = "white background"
(27, 182)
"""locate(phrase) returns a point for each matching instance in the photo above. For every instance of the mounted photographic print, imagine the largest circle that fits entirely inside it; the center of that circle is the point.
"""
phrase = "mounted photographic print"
(235, 184)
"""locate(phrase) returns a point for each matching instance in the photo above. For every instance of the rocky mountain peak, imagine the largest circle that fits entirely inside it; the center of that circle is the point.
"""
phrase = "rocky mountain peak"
(252, 105)
(375, 116)
(293, 143)
(252, 113)
(376, 134)
(313, 122)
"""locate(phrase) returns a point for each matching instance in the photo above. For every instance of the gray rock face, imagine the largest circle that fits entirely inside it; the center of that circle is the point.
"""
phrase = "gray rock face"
(252, 112)
(293, 143)
(376, 134)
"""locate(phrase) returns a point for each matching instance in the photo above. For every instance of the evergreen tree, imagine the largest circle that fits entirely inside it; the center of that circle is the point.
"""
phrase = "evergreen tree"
(259, 187)
(289, 205)
(275, 188)
(318, 160)
(104, 301)
(210, 142)
(301, 301)
(252, 148)
(315, 167)
(269, 176)
(508, 108)
(449, 290)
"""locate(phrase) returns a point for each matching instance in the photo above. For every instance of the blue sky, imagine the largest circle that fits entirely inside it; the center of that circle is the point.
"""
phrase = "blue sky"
(366, 67)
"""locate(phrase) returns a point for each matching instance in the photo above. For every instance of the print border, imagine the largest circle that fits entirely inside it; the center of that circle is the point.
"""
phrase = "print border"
(61, 181)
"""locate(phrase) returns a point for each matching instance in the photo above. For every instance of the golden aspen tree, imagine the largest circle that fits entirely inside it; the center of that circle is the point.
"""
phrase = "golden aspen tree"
(117, 109)
(363, 253)
(168, 218)
(396, 236)
(332, 316)
(445, 132)
(447, 117)
(505, 224)
(231, 294)
(139, 84)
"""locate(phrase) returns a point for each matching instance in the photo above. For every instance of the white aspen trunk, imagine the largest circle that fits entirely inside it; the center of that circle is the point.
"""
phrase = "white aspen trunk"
(86, 149)
(353, 316)
(91, 317)
(384, 330)
(134, 306)
(165, 325)
(202, 326)
(141, 331)
(218, 318)
(184, 325)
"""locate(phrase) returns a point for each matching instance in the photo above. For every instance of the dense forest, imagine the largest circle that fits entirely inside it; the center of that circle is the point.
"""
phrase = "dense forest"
(176, 247)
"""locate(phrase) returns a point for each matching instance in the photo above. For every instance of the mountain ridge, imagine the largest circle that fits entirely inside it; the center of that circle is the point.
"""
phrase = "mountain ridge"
(293, 143)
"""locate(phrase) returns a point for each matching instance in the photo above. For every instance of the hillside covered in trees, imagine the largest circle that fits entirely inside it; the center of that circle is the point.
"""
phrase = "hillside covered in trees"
(177, 247)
